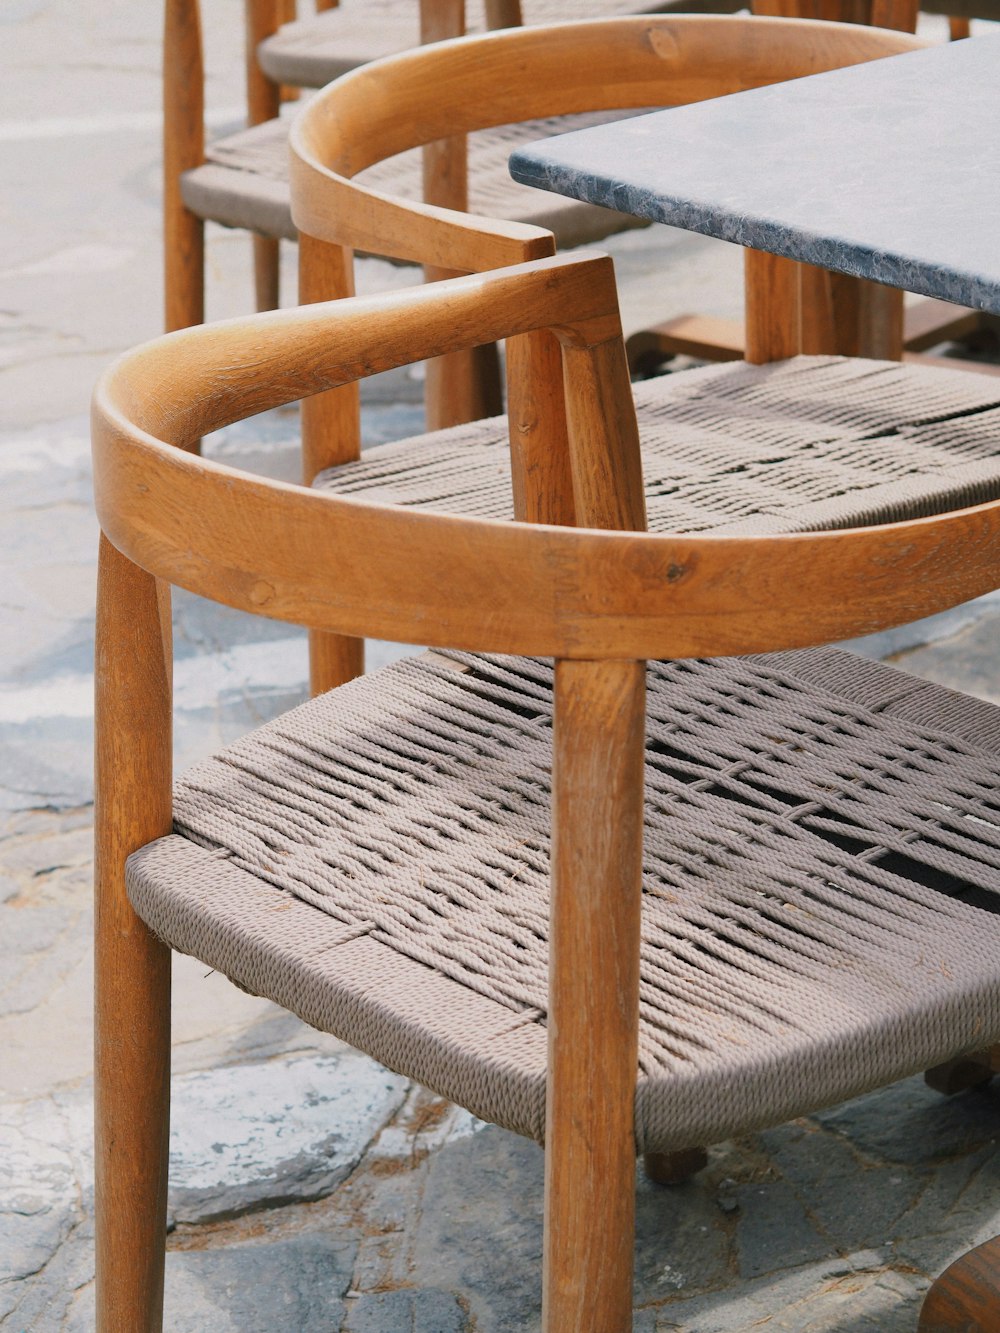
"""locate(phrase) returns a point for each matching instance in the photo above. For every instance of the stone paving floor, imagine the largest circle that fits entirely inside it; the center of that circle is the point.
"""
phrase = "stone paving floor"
(310, 1188)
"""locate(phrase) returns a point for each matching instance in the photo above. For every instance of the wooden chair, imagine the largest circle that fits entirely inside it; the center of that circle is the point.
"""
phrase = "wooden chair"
(792, 456)
(240, 180)
(713, 485)
(815, 860)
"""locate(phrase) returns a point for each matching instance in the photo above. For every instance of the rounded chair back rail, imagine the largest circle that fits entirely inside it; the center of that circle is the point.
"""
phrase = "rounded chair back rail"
(368, 569)
(525, 74)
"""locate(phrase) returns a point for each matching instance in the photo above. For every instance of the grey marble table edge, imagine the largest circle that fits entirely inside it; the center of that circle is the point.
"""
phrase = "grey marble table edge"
(599, 165)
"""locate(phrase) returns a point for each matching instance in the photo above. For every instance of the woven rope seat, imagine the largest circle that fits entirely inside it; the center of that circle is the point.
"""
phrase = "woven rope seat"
(312, 51)
(821, 880)
(244, 182)
(795, 446)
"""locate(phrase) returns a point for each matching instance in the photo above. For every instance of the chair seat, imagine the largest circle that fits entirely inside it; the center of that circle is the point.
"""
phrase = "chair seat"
(312, 51)
(795, 446)
(244, 182)
(821, 880)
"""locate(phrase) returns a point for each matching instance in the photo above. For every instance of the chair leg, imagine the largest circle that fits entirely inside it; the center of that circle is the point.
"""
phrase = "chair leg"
(593, 1017)
(266, 260)
(183, 149)
(671, 1168)
(132, 969)
(466, 385)
(964, 1072)
(184, 271)
(966, 1297)
(334, 659)
(959, 28)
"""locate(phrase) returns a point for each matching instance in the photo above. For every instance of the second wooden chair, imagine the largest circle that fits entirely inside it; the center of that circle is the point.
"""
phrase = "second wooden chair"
(809, 443)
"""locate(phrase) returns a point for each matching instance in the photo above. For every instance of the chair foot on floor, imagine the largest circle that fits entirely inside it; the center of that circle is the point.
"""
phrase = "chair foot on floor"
(962, 1073)
(671, 1168)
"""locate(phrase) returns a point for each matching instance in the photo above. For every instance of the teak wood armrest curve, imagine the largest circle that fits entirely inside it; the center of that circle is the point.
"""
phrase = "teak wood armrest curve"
(459, 86)
(341, 565)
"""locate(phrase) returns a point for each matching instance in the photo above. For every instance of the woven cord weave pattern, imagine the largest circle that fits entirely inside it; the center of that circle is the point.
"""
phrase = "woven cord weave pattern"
(821, 875)
(799, 445)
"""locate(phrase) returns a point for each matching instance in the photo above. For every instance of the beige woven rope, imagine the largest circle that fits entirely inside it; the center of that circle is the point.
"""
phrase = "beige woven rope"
(816, 442)
(821, 880)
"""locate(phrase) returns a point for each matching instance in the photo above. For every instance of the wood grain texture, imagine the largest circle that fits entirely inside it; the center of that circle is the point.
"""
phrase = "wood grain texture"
(331, 434)
(463, 386)
(132, 969)
(506, 14)
(418, 97)
(966, 1297)
(899, 14)
(840, 315)
(603, 437)
(844, 316)
(599, 601)
(593, 1018)
(262, 18)
(519, 74)
(925, 323)
(541, 473)
(445, 160)
(183, 148)
(773, 307)
(266, 268)
(706, 337)
(828, 11)
(415, 577)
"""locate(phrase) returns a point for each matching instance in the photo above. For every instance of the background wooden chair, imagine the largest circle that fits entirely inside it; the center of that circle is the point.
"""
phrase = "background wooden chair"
(728, 449)
(310, 51)
(315, 49)
(818, 877)
(240, 180)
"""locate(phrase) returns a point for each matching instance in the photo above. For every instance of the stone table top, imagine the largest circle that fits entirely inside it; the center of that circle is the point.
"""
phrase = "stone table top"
(888, 170)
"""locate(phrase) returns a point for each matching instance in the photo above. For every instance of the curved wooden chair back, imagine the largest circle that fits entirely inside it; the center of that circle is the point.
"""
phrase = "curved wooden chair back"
(338, 564)
(475, 83)
(455, 87)
(598, 598)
